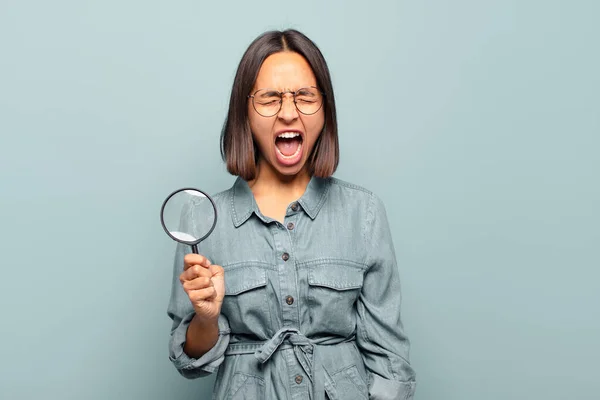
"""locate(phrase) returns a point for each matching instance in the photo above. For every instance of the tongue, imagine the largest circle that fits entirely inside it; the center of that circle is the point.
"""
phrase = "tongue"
(288, 147)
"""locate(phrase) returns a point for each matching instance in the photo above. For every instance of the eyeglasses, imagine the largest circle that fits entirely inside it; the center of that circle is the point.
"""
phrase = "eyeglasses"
(268, 102)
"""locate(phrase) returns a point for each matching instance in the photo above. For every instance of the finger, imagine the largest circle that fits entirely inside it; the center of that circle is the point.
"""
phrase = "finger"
(191, 259)
(205, 294)
(216, 270)
(195, 271)
(198, 283)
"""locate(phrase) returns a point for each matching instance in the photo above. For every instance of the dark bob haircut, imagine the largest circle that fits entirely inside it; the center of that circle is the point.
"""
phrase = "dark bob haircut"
(238, 149)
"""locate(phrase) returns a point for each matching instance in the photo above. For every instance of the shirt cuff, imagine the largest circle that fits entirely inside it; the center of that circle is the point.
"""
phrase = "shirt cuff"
(209, 362)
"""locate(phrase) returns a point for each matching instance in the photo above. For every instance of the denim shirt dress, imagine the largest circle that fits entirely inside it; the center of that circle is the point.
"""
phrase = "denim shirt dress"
(311, 307)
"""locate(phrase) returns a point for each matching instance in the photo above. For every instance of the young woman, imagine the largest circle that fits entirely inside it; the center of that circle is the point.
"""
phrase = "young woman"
(296, 293)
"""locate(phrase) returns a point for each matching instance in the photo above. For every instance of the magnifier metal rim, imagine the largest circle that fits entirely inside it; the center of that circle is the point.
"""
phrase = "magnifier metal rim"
(162, 220)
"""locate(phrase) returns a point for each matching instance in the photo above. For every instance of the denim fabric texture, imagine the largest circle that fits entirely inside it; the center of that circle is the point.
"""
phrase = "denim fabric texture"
(312, 305)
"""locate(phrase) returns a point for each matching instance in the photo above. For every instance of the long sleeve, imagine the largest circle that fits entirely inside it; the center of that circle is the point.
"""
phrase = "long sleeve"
(181, 312)
(380, 336)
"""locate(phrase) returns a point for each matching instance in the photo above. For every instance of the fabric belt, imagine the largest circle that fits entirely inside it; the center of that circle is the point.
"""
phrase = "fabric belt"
(286, 338)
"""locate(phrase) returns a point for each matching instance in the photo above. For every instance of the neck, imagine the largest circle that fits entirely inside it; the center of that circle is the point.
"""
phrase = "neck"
(269, 181)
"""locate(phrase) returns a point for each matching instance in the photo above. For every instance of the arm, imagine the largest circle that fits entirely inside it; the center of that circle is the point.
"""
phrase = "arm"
(380, 336)
(201, 336)
(196, 348)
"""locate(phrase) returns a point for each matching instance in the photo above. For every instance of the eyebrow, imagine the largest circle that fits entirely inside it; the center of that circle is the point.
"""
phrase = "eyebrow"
(270, 92)
(305, 91)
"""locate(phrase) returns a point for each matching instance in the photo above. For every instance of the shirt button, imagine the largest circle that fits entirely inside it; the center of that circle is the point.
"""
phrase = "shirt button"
(295, 208)
(285, 256)
(298, 379)
(290, 225)
(289, 300)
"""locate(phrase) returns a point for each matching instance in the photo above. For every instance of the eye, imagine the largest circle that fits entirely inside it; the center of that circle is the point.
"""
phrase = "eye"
(307, 95)
(268, 102)
(267, 97)
(305, 100)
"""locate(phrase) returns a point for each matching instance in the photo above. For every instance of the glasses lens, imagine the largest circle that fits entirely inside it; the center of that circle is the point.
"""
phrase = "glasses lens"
(267, 102)
(308, 100)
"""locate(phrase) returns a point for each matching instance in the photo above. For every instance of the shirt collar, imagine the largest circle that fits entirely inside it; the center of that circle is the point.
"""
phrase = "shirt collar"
(315, 195)
(243, 204)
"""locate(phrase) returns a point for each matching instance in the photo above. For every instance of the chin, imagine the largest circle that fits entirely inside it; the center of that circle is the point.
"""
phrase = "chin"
(289, 171)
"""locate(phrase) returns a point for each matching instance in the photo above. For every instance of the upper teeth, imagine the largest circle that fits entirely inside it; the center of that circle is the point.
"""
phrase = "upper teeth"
(289, 135)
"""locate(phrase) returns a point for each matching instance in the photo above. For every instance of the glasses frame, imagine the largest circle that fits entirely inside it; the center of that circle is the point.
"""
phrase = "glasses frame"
(294, 94)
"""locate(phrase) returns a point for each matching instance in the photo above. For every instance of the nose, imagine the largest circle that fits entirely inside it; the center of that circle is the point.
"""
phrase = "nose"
(288, 110)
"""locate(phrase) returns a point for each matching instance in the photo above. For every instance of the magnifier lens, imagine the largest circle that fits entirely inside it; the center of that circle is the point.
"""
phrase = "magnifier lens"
(188, 216)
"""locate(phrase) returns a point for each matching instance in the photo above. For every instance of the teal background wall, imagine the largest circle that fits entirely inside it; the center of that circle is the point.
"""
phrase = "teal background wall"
(477, 122)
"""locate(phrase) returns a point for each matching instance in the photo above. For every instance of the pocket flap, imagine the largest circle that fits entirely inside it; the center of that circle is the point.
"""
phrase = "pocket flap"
(242, 279)
(336, 276)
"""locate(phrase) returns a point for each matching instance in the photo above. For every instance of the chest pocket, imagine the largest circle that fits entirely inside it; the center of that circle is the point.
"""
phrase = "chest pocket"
(245, 301)
(332, 294)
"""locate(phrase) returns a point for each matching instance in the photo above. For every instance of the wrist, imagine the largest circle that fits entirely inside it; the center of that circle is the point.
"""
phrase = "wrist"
(205, 322)
(201, 336)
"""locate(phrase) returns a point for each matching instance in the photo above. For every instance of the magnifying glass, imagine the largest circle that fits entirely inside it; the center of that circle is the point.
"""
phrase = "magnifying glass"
(188, 216)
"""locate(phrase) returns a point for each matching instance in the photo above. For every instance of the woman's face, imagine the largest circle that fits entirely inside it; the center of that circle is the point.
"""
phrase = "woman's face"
(285, 140)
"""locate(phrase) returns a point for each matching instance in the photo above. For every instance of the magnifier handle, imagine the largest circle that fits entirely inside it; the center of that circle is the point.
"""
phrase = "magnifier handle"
(195, 248)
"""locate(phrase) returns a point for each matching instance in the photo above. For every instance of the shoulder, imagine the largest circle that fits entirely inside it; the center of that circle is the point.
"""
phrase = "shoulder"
(350, 187)
(225, 198)
(237, 199)
(236, 188)
(357, 196)
(223, 195)
(353, 191)
(222, 199)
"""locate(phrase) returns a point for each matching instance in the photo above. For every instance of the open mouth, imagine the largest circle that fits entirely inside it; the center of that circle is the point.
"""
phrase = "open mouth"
(288, 144)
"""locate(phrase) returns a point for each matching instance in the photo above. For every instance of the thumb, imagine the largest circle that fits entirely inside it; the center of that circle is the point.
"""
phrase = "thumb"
(216, 271)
